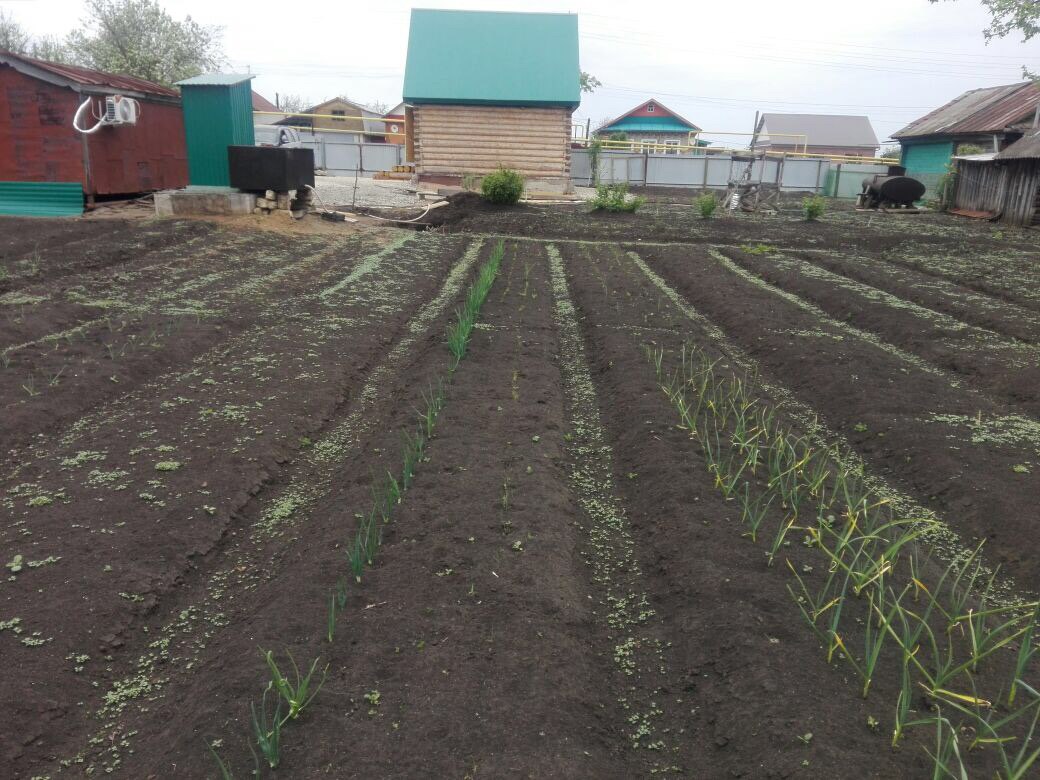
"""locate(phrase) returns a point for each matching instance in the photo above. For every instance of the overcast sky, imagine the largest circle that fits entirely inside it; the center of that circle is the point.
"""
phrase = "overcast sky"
(715, 63)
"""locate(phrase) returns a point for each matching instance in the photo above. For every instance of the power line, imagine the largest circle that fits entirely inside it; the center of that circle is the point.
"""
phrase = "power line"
(958, 54)
(793, 60)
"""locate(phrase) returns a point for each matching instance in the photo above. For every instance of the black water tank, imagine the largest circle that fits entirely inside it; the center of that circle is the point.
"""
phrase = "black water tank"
(278, 168)
(894, 189)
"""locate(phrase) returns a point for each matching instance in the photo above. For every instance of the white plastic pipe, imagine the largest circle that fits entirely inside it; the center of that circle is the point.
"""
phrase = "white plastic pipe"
(79, 115)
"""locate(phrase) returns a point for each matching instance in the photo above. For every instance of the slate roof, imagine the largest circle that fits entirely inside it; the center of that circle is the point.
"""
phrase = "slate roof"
(987, 110)
(1026, 147)
(821, 130)
(85, 79)
(492, 58)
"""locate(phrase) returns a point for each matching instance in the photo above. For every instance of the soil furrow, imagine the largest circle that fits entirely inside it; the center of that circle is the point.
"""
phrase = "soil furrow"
(982, 359)
(173, 468)
(906, 423)
(736, 637)
(939, 295)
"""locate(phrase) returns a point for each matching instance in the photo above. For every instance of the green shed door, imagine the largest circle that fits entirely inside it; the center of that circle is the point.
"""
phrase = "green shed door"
(215, 117)
(927, 162)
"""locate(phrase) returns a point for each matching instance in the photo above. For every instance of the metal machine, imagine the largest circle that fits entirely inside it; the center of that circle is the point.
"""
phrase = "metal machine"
(894, 190)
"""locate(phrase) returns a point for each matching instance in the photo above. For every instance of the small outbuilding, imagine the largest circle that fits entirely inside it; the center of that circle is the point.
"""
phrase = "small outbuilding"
(142, 152)
(491, 89)
(1005, 185)
(981, 121)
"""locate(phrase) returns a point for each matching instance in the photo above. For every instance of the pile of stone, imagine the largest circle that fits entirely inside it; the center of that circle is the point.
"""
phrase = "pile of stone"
(296, 202)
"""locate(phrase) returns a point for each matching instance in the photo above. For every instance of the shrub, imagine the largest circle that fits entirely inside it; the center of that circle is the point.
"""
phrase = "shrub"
(614, 197)
(706, 205)
(813, 207)
(503, 187)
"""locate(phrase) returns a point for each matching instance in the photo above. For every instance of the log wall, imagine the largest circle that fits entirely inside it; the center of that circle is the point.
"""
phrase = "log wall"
(456, 140)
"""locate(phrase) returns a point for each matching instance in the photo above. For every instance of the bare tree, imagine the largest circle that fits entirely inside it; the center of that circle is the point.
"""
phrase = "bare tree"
(379, 107)
(291, 103)
(139, 38)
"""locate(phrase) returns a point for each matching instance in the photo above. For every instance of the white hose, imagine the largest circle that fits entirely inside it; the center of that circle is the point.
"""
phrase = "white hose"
(79, 114)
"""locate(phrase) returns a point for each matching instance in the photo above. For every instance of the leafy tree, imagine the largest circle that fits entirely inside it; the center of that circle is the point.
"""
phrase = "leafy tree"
(1011, 16)
(12, 37)
(588, 82)
(139, 38)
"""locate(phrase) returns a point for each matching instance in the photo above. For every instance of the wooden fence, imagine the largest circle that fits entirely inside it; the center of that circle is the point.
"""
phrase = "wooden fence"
(1008, 188)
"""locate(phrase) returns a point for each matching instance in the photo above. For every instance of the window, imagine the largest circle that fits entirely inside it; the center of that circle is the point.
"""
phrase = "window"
(339, 114)
(648, 145)
(673, 142)
(650, 108)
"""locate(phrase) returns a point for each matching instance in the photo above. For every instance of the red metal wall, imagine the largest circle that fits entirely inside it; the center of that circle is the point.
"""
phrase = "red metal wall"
(37, 117)
(36, 141)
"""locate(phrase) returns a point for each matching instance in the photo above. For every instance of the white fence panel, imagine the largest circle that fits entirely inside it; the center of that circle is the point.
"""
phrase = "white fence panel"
(708, 172)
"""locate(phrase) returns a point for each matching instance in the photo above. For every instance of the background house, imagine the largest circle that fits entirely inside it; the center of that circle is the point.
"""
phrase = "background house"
(981, 120)
(343, 116)
(492, 89)
(395, 129)
(37, 103)
(651, 124)
(835, 135)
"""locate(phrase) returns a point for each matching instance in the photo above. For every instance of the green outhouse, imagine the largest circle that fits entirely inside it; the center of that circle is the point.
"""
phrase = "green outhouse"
(218, 113)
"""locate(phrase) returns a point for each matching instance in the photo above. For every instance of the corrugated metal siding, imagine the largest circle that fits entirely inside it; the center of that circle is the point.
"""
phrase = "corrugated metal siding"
(41, 199)
(216, 117)
(454, 140)
(1009, 189)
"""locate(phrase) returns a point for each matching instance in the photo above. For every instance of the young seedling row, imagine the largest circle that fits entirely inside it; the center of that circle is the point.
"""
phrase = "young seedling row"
(880, 603)
(387, 493)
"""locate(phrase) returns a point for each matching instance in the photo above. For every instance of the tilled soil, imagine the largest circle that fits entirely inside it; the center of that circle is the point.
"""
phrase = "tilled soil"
(563, 591)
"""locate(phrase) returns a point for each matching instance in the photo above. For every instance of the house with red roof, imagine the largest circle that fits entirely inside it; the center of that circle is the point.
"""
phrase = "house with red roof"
(653, 126)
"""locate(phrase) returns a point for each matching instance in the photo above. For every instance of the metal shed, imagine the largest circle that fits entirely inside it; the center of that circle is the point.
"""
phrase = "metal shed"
(38, 100)
(218, 113)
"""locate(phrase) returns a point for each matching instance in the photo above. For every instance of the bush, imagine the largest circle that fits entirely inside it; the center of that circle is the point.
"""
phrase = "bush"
(503, 187)
(614, 197)
(813, 207)
(706, 205)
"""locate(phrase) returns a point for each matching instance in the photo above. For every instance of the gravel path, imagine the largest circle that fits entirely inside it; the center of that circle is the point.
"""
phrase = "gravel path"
(339, 191)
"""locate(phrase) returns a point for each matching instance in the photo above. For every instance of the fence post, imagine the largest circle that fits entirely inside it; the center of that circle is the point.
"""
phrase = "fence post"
(837, 181)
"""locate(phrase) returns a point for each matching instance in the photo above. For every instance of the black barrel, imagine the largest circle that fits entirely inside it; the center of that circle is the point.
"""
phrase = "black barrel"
(278, 168)
(903, 190)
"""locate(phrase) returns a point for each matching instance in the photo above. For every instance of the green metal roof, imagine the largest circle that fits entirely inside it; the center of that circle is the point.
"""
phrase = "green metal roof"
(41, 198)
(216, 80)
(648, 124)
(492, 58)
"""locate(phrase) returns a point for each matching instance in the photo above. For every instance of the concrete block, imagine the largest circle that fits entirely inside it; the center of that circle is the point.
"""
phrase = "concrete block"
(186, 203)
